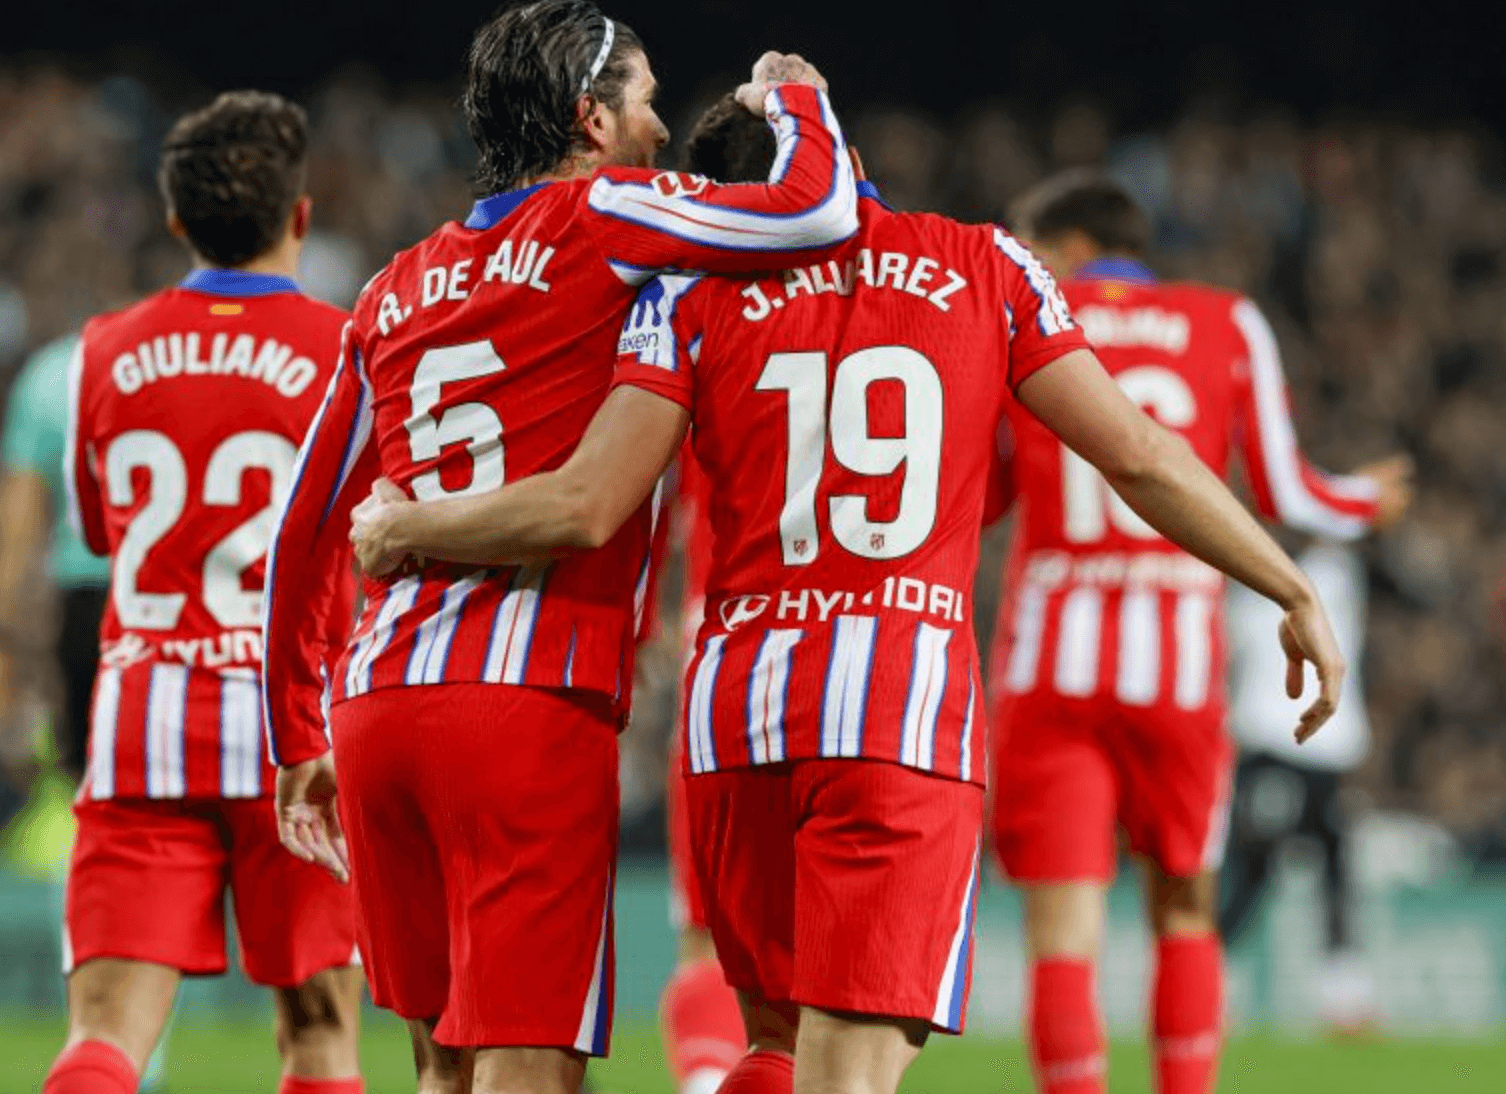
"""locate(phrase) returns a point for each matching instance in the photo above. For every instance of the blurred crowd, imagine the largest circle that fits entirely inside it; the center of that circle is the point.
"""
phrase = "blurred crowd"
(1377, 250)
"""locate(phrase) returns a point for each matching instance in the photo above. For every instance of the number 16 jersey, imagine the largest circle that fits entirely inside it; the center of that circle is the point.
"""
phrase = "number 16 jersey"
(845, 415)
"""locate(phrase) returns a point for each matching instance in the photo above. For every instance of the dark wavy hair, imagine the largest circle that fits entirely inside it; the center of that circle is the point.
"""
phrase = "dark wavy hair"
(527, 69)
(1086, 201)
(232, 172)
(729, 144)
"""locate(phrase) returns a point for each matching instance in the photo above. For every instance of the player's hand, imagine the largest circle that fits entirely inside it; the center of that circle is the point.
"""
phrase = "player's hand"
(1394, 480)
(372, 527)
(777, 68)
(1306, 636)
(308, 824)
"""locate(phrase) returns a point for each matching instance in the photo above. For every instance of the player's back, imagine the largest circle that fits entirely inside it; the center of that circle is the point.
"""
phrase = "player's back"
(187, 413)
(1098, 604)
(844, 414)
(487, 348)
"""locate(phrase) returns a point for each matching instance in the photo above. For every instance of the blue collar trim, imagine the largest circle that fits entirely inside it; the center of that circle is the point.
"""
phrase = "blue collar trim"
(488, 212)
(225, 282)
(1116, 269)
(866, 189)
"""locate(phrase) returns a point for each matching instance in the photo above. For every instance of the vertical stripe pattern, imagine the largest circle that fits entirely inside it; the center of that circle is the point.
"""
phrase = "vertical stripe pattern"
(431, 645)
(701, 742)
(1139, 679)
(1077, 652)
(165, 711)
(240, 736)
(928, 676)
(400, 599)
(768, 685)
(1029, 632)
(103, 728)
(965, 761)
(596, 1014)
(512, 631)
(1194, 653)
(847, 676)
(951, 995)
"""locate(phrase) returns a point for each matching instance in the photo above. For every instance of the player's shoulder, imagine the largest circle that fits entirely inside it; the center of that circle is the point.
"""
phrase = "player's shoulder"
(127, 324)
(649, 329)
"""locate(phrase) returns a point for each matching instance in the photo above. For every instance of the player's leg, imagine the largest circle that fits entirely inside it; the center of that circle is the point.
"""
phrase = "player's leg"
(1176, 814)
(317, 1027)
(298, 937)
(402, 922)
(887, 865)
(701, 1020)
(519, 787)
(1055, 800)
(144, 905)
(116, 1011)
(742, 850)
(1187, 998)
(1265, 812)
(440, 1070)
(855, 1054)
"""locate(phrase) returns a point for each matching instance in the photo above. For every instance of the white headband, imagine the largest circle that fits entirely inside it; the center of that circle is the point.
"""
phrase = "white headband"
(601, 57)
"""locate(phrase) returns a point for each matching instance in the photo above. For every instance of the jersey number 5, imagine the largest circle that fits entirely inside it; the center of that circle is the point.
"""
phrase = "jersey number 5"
(802, 376)
(1089, 505)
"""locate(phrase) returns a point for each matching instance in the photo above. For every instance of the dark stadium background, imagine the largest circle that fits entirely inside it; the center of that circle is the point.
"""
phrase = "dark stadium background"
(1144, 60)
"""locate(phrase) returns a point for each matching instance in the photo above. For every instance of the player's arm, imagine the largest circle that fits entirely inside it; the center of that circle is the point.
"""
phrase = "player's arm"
(656, 221)
(1287, 488)
(86, 509)
(630, 442)
(308, 563)
(1163, 480)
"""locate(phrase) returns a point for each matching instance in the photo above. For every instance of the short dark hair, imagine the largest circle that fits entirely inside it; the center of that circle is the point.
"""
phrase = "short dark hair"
(1084, 201)
(232, 171)
(527, 69)
(729, 144)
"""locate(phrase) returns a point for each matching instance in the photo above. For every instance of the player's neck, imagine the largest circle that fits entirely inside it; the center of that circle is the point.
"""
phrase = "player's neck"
(575, 166)
(280, 261)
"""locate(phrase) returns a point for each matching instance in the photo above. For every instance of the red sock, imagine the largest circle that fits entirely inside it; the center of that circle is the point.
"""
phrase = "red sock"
(762, 1071)
(1066, 1036)
(91, 1067)
(1189, 1015)
(703, 1025)
(291, 1084)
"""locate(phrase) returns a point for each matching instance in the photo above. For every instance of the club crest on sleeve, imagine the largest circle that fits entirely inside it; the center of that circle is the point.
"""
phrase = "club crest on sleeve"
(678, 184)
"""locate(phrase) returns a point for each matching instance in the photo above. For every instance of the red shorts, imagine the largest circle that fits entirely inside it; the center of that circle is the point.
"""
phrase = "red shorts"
(687, 910)
(482, 822)
(848, 885)
(1067, 771)
(148, 881)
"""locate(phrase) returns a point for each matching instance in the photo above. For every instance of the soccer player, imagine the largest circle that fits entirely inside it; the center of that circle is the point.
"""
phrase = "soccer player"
(184, 420)
(845, 414)
(475, 714)
(1108, 663)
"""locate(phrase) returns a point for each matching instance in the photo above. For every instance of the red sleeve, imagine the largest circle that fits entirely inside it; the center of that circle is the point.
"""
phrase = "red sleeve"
(661, 340)
(1041, 327)
(1286, 487)
(308, 567)
(650, 221)
(86, 511)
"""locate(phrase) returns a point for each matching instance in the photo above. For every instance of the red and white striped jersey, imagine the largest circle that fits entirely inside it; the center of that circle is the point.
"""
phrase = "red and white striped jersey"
(185, 416)
(479, 357)
(844, 414)
(1097, 604)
